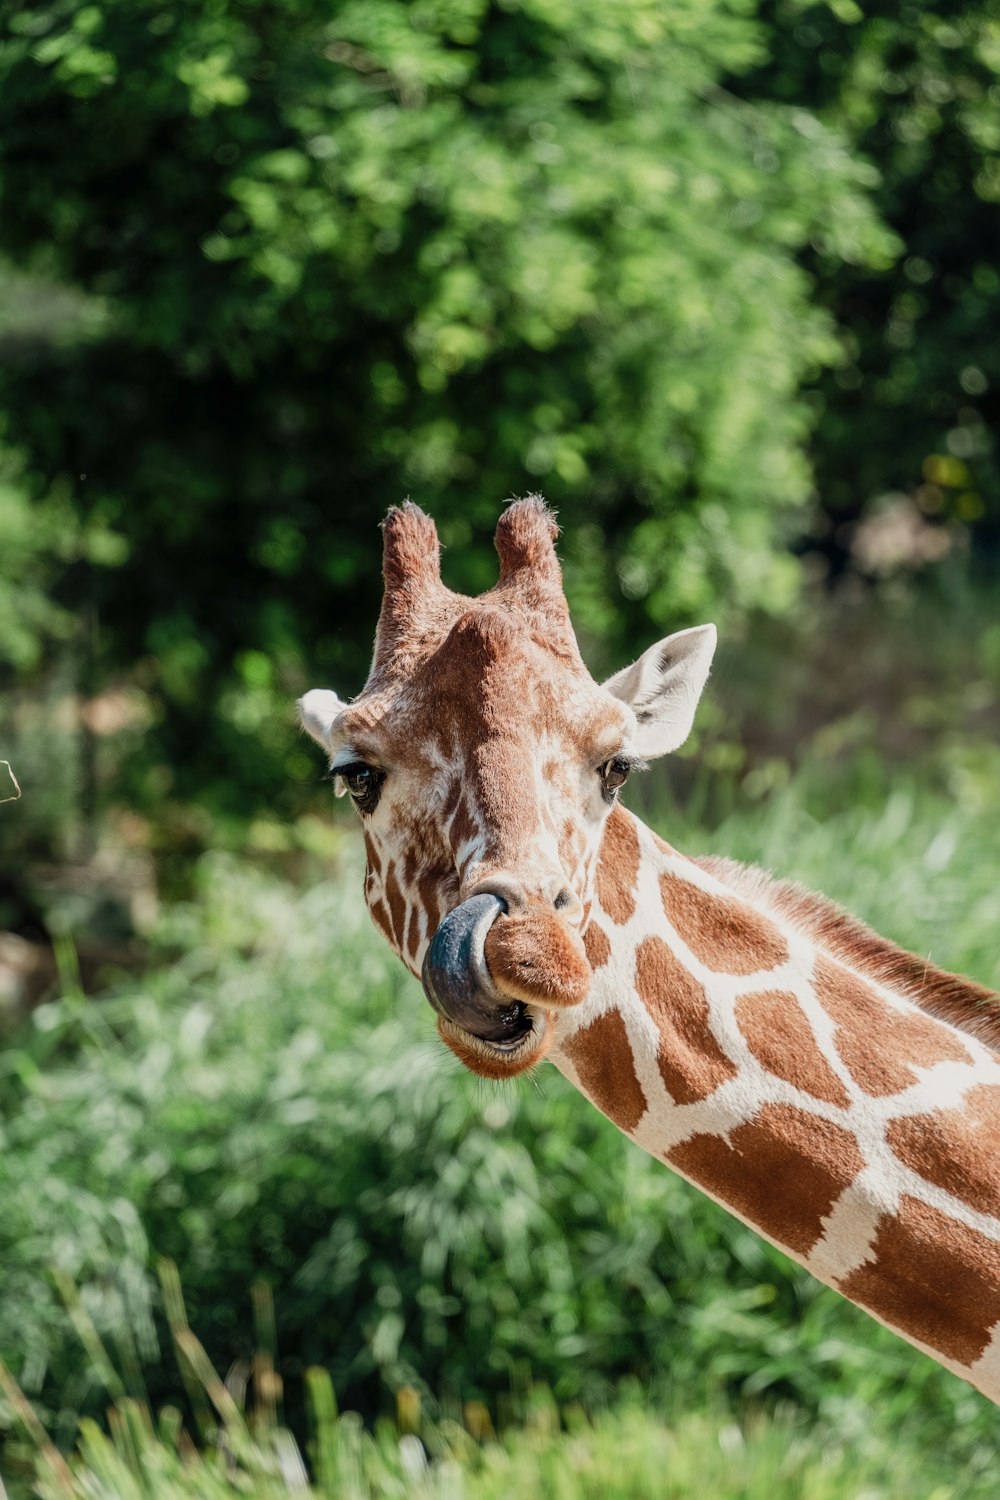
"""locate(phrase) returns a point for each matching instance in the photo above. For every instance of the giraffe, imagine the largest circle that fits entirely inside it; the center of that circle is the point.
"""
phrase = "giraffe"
(838, 1095)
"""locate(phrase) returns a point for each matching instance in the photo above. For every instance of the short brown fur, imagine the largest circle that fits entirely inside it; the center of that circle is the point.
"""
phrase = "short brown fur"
(883, 1047)
(691, 1062)
(533, 956)
(779, 1035)
(724, 934)
(602, 1057)
(783, 1171)
(954, 1148)
(933, 1278)
(618, 868)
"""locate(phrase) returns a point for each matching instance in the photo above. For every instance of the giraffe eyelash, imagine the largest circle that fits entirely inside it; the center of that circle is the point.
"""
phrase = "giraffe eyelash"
(368, 781)
(633, 762)
(614, 772)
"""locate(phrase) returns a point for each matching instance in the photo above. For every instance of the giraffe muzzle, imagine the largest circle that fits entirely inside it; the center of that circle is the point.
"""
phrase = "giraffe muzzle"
(458, 983)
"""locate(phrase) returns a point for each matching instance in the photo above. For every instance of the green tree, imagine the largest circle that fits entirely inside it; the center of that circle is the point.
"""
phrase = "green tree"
(914, 404)
(453, 248)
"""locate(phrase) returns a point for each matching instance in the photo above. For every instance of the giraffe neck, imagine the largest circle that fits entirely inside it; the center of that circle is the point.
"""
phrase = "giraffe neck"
(769, 1063)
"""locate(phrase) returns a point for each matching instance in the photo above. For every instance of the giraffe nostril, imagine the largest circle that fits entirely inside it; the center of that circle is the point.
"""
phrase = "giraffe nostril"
(564, 899)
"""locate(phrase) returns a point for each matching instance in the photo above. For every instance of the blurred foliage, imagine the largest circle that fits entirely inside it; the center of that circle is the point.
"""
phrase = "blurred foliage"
(275, 1104)
(913, 404)
(858, 684)
(327, 255)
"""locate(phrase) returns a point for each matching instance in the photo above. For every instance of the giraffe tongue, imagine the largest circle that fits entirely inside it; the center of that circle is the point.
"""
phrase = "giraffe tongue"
(458, 983)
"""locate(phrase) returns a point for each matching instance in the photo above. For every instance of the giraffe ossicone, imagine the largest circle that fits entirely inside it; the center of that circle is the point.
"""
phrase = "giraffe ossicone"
(837, 1094)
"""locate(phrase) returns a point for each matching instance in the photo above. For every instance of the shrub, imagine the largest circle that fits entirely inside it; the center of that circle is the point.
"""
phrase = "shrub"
(275, 1106)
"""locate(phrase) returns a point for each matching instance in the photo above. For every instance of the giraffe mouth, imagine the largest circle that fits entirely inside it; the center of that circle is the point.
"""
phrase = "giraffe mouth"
(458, 983)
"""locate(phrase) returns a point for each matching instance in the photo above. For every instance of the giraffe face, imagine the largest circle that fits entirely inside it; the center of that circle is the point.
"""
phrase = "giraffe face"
(484, 761)
(491, 766)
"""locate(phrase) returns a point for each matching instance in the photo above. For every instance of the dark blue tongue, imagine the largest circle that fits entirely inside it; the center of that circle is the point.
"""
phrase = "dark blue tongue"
(458, 983)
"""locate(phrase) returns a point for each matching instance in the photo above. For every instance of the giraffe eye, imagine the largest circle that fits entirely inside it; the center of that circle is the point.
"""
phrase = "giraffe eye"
(364, 784)
(614, 773)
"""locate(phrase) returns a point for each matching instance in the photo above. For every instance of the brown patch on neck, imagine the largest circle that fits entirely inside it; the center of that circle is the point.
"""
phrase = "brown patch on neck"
(932, 1278)
(602, 1056)
(956, 1149)
(778, 1033)
(596, 945)
(881, 1046)
(948, 997)
(726, 935)
(691, 1062)
(618, 867)
(782, 1171)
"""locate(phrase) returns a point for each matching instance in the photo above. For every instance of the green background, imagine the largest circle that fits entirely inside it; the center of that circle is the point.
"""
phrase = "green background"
(718, 277)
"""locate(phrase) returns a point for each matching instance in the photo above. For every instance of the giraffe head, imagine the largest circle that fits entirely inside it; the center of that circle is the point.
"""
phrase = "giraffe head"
(484, 761)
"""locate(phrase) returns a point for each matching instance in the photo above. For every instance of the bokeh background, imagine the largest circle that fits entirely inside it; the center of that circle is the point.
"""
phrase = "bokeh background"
(720, 278)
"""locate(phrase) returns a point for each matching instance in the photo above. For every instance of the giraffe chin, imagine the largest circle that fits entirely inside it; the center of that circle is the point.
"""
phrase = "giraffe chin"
(491, 1061)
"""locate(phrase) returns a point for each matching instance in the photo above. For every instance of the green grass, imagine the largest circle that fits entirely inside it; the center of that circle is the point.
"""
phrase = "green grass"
(272, 1105)
(629, 1454)
(632, 1452)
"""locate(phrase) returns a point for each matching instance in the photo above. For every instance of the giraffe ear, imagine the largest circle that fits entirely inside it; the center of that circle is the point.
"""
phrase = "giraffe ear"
(663, 687)
(317, 711)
